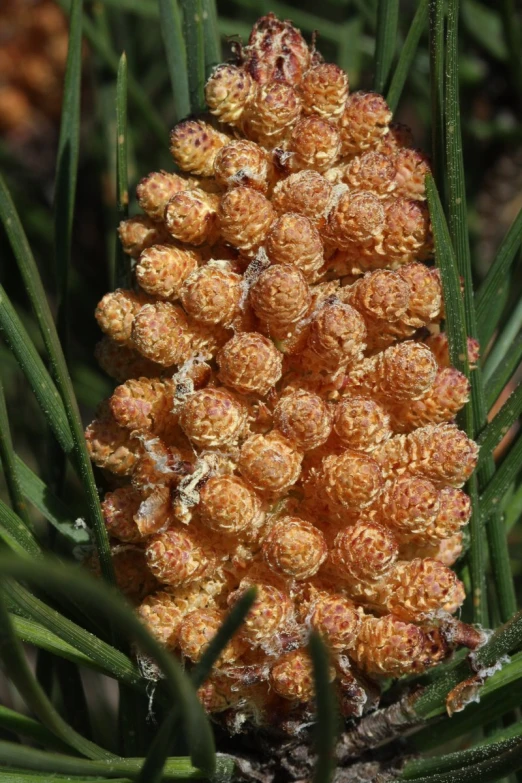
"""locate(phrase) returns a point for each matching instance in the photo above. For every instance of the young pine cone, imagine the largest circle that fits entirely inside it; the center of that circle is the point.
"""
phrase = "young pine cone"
(116, 312)
(390, 647)
(364, 122)
(418, 589)
(227, 92)
(162, 269)
(111, 446)
(441, 453)
(280, 297)
(194, 145)
(276, 52)
(304, 419)
(243, 163)
(270, 114)
(139, 232)
(245, 216)
(293, 239)
(285, 403)
(155, 191)
(249, 363)
(269, 462)
(294, 548)
(213, 418)
(228, 505)
(323, 91)
(365, 551)
(270, 615)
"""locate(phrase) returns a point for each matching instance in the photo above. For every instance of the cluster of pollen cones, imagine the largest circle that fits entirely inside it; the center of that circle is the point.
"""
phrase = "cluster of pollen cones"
(286, 407)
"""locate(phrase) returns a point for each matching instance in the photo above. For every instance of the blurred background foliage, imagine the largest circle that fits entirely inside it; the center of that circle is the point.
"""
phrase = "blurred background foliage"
(33, 47)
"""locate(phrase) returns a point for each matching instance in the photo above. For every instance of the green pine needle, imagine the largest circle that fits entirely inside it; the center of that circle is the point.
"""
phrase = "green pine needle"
(120, 274)
(407, 55)
(175, 50)
(67, 166)
(194, 36)
(9, 463)
(501, 424)
(327, 721)
(385, 42)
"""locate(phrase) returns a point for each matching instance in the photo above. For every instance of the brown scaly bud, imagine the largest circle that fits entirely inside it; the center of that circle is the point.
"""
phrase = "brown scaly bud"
(303, 418)
(323, 91)
(115, 313)
(407, 232)
(440, 452)
(387, 646)
(412, 167)
(454, 513)
(140, 404)
(110, 446)
(351, 481)
(197, 630)
(243, 163)
(269, 462)
(418, 589)
(270, 615)
(295, 548)
(280, 297)
(245, 216)
(438, 343)
(119, 509)
(337, 619)
(227, 505)
(447, 396)
(212, 293)
(227, 92)
(162, 269)
(364, 122)
(337, 335)
(356, 222)
(155, 191)
(425, 302)
(178, 557)
(293, 239)
(194, 145)
(212, 418)
(191, 217)
(373, 172)
(409, 505)
(276, 52)
(162, 616)
(402, 372)
(364, 551)
(250, 363)
(270, 115)
(361, 424)
(381, 297)
(315, 144)
(122, 363)
(292, 676)
(137, 233)
(161, 333)
(307, 192)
